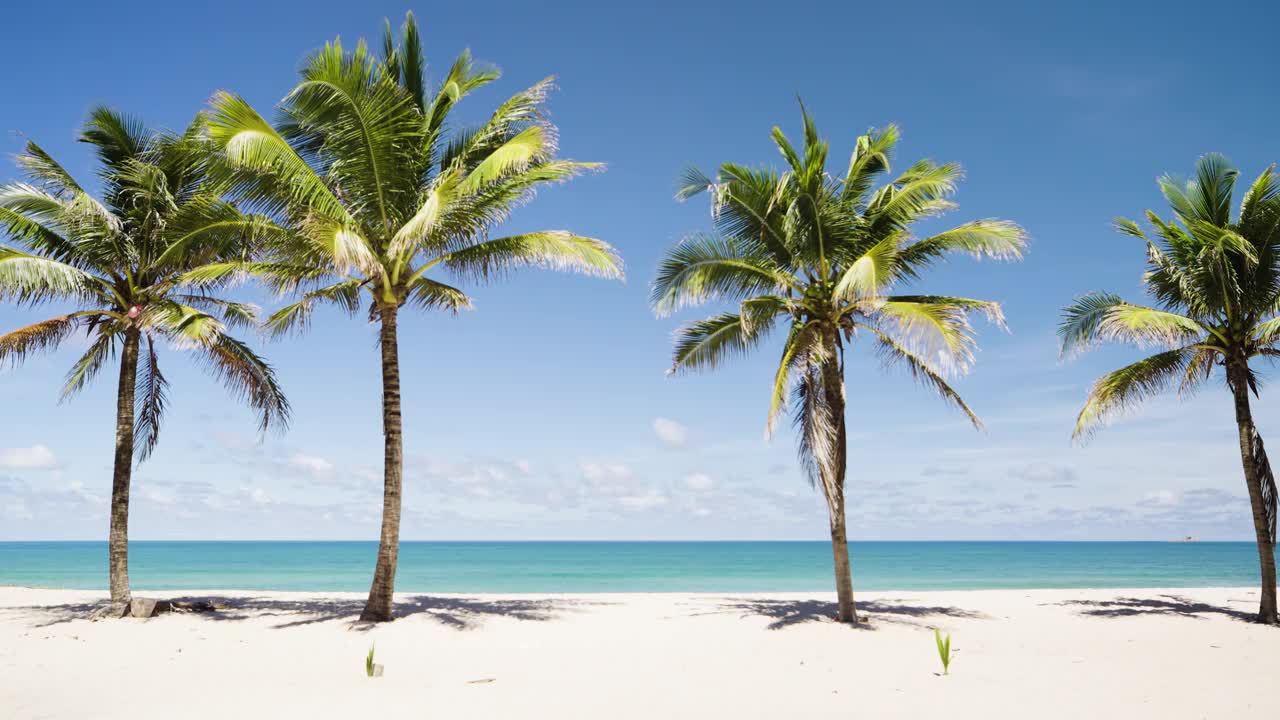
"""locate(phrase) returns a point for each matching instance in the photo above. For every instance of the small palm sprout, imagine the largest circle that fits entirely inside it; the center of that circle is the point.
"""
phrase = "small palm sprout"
(944, 650)
(1215, 281)
(821, 256)
(123, 264)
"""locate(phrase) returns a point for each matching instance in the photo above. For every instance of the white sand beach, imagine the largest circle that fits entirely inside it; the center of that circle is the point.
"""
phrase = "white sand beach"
(1178, 653)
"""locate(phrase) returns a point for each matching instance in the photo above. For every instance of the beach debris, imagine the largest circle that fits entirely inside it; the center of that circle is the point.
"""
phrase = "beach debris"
(195, 606)
(148, 608)
(371, 669)
(944, 650)
(145, 607)
(481, 681)
(113, 611)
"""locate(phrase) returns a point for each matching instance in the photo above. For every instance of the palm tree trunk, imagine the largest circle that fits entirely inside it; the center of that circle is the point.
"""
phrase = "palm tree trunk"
(379, 606)
(1238, 376)
(118, 539)
(846, 611)
(833, 483)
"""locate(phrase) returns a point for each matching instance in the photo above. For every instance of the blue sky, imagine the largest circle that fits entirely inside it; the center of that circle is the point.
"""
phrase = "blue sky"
(545, 412)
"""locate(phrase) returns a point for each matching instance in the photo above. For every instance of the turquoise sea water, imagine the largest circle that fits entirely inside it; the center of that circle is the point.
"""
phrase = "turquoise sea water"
(635, 566)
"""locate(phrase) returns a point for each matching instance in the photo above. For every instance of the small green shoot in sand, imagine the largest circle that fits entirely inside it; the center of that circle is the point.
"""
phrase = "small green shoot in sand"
(944, 650)
(368, 662)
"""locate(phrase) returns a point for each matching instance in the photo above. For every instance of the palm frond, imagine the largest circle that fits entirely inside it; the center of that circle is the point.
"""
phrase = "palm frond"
(1126, 388)
(151, 403)
(1266, 478)
(870, 273)
(1207, 198)
(42, 169)
(365, 121)
(1081, 324)
(115, 137)
(517, 154)
(1147, 327)
(251, 145)
(31, 279)
(802, 346)
(710, 267)
(551, 249)
(431, 295)
(16, 345)
(247, 375)
(893, 353)
(869, 160)
(87, 367)
(937, 330)
(705, 344)
(234, 314)
(184, 325)
(693, 182)
(996, 239)
(296, 316)
(817, 429)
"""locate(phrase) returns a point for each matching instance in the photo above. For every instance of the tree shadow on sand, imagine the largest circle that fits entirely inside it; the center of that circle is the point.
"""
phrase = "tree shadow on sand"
(1159, 605)
(785, 613)
(460, 613)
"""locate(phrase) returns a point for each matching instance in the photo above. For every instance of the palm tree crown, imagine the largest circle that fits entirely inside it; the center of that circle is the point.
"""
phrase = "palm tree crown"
(379, 195)
(822, 254)
(124, 263)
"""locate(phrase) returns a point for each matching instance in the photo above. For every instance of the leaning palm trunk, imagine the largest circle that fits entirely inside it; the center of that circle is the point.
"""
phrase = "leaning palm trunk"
(118, 545)
(1216, 284)
(1252, 455)
(379, 606)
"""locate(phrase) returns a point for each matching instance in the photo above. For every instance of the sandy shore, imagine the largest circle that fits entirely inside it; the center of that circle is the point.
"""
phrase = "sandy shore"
(1179, 653)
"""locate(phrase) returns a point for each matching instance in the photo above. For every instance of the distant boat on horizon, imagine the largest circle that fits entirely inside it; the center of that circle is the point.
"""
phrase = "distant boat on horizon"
(1188, 538)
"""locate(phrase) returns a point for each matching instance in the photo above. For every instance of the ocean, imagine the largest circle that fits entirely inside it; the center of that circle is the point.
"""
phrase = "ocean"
(584, 567)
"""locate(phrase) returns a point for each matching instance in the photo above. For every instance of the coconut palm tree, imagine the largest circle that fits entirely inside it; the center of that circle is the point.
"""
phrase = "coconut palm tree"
(822, 254)
(120, 265)
(381, 198)
(1215, 286)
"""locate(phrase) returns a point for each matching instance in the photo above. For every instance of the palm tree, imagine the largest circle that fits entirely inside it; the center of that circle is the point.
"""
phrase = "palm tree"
(1216, 290)
(122, 264)
(821, 254)
(380, 197)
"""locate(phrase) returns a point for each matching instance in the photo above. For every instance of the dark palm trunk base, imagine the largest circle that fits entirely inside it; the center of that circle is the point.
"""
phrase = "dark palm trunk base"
(118, 542)
(379, 607)
(1237, 377)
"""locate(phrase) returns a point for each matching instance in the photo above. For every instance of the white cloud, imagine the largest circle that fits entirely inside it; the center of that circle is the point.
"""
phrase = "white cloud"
(647, 501)
(311, 463)
(524, 466)
(699, 481)
(596, 472)
(36, 457)
(671, 433)
(260, 496)
(159, 497)
(1162, 497)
